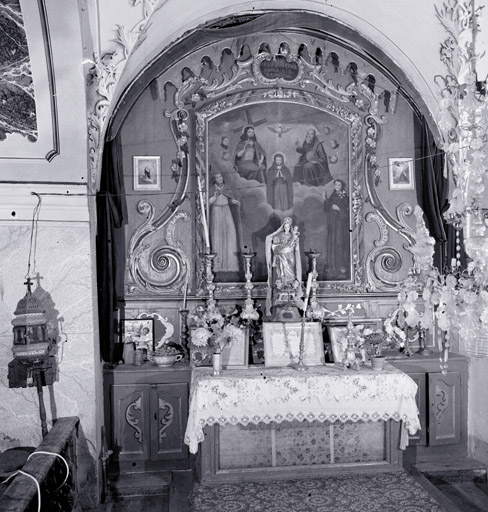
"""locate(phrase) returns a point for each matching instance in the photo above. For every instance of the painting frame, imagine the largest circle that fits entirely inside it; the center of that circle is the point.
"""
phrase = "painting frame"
(401, 173)
(281, 343)
(213, 142)
(147, 172)
(132, 332)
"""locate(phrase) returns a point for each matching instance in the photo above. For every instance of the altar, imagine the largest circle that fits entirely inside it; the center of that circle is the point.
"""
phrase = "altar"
(270, 422)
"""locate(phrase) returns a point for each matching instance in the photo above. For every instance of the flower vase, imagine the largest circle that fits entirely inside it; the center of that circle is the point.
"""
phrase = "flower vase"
(217, 362)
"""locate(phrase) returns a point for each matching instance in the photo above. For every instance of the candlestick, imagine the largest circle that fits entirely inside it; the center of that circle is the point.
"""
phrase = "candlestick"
(204, 216)
(209, 277)
(184, 333)
(249, 312)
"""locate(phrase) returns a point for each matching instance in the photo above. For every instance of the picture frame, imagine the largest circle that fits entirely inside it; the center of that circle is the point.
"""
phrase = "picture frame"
(147, 172)
(234, 356)
(401, 173)
(250, 193)
(282, 344)
(336, 332)
(139, 331)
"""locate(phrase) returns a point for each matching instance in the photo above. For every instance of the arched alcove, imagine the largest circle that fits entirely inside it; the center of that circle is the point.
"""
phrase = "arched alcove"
(187, 99)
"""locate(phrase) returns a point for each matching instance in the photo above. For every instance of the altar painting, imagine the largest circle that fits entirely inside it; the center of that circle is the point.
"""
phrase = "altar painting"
(269, 161)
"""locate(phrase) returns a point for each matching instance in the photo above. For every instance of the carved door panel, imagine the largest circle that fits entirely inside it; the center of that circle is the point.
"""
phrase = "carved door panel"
(420, 438)
(169, 413)
(131, 428)
(444, 408)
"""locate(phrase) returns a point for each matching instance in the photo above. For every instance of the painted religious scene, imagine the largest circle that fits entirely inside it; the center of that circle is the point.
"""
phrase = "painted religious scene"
(271, 161)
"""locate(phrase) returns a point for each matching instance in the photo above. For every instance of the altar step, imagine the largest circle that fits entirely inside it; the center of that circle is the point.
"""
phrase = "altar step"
(139, 491)
(461, 485)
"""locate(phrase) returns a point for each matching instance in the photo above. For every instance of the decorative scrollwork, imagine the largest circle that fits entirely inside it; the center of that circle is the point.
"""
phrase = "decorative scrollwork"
(374, 217)
(404, 210)
(166, 415)
(132, 419)
(160, 269)
(382, 262)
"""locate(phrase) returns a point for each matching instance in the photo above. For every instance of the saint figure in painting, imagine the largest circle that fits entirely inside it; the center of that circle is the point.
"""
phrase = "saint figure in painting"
(284, 266)
(312, 167)
(336, 208)
(279, 186)
(224, 226)
(250, 157)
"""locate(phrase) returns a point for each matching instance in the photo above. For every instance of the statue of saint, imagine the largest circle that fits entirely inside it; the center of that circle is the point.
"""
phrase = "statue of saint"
(284, 267)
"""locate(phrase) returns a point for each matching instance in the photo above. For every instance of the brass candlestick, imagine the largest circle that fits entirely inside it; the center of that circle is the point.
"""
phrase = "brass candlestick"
(209, 277)
(184, 333)
(301, 366)
(423, 350)
(249, 312)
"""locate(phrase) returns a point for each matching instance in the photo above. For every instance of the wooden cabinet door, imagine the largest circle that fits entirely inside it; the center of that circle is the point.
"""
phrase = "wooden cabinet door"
(420, 438)
(169, 413)
(444, 408)
(130, 422)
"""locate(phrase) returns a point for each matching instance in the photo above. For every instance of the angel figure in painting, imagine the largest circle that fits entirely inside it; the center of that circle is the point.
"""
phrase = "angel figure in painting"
(284, 268)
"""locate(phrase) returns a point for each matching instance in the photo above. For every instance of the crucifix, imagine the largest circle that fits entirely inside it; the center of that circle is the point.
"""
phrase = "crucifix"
(249, 121)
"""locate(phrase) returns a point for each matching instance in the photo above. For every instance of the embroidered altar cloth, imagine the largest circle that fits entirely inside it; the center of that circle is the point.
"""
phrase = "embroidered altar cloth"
(322, 393)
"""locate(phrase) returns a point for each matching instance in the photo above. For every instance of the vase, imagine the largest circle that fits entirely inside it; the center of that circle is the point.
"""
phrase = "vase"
(377, 363)
(217, 363)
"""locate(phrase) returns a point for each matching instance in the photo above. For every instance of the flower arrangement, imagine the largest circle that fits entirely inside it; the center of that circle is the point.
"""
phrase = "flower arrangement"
(217, 329)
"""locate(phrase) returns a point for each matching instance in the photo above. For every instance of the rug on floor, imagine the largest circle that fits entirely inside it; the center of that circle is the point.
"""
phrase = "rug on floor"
(381, 492)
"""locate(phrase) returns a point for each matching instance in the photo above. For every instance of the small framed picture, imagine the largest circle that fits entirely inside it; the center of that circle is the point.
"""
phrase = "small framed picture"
(282, 343)
(400, 173)
(236, 355)
(147, 173)
(139, 331)
(337, 334)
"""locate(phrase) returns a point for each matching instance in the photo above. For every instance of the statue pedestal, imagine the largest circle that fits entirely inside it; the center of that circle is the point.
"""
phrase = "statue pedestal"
(285, 314)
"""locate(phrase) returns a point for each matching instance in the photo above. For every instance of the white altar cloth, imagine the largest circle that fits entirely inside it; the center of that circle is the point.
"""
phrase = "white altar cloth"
(322, 393)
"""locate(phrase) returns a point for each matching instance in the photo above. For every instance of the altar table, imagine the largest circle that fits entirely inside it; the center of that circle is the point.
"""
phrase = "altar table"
(275, 395)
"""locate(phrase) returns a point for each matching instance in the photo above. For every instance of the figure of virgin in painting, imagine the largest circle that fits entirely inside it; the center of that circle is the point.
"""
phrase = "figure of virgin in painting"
(284, 267)
(279, 184)
(224, 226)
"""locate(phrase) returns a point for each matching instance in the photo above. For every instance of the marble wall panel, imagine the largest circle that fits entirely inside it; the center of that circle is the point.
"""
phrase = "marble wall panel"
(63, 260)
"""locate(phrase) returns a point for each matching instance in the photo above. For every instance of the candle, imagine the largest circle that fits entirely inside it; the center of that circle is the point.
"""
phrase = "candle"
(453, 263)
(186, 291)
(204, 217)
(307, 292)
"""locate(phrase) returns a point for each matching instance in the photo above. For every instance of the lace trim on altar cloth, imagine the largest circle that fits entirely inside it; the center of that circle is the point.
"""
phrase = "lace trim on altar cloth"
(257, 419)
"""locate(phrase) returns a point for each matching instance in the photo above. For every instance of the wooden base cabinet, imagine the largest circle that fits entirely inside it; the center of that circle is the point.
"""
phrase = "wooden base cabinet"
(147, 412)
(442, 400)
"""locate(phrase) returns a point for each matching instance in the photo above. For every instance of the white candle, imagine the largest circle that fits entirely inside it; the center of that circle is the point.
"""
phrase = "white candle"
(204, 217)
(186, 291)
(453, 262)
(307, 292)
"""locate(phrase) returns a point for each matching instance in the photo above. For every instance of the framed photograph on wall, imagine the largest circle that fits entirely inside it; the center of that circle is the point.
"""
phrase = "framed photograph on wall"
(400, 173)
(147, 173)
(139, 331)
